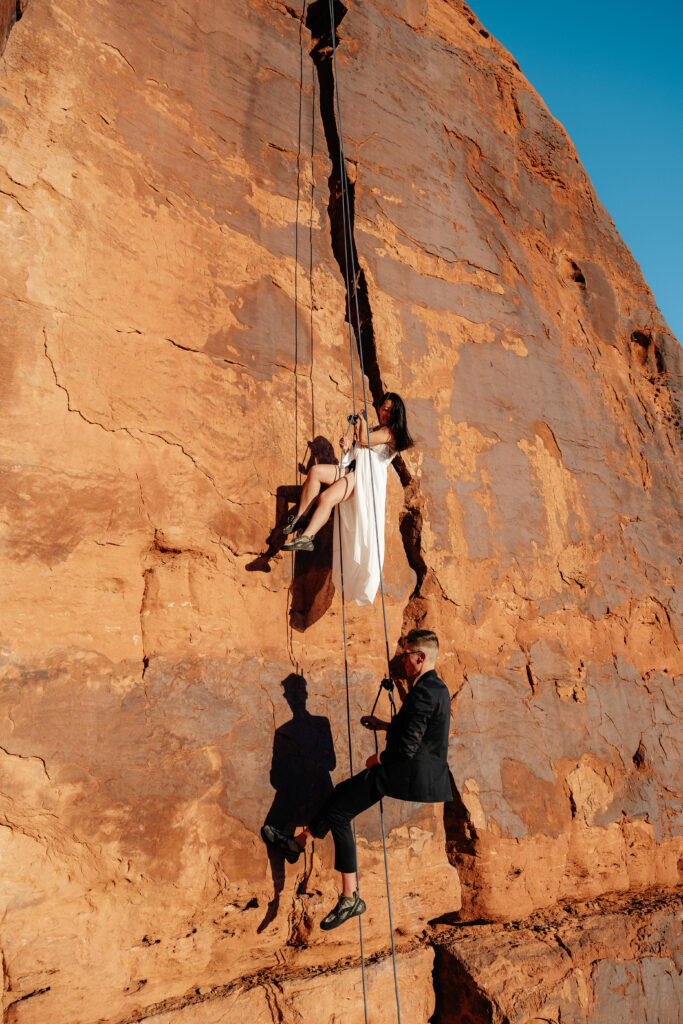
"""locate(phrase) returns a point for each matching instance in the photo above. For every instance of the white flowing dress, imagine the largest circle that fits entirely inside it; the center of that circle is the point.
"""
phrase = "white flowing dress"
(358, 537)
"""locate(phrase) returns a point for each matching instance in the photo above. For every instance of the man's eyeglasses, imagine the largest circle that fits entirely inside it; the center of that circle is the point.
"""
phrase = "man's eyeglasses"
(406, 654)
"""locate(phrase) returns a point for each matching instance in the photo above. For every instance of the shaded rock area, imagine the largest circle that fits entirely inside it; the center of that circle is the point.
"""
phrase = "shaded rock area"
(175, 356)
(10, 12)
(613, 958)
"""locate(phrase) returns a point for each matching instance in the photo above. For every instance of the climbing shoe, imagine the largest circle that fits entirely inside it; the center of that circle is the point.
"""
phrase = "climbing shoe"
(301, 543)
(278, 840)
(347, 906)
(292, 524)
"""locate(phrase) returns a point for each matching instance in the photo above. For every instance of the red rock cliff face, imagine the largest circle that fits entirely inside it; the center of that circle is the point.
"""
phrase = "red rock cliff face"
(175, 348)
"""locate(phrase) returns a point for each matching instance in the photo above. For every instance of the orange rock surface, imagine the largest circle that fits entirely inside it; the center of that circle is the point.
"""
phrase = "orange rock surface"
(607, 959)
(175, 351)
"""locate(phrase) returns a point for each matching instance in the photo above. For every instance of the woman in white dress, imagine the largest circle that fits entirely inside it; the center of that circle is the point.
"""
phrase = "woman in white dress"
(350, 490)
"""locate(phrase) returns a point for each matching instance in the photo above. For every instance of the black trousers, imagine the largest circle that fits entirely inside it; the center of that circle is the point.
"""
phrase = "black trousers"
(348, 799)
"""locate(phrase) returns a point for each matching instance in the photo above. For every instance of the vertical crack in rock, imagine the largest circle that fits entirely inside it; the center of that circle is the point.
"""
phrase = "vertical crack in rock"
(10, 14)
(144, 612)
(69, 406)
(6, 979)
(461, 835)
(640, 757)
(458, 997)
(159, 555)
(317, 22)
(271, 994)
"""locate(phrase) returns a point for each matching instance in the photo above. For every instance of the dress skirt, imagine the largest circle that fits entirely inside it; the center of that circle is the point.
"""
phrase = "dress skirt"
(362, 545)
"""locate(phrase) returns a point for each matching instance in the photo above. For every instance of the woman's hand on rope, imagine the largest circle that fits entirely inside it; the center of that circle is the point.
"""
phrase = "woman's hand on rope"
(376, 724)
(372, 761)
(369, 438)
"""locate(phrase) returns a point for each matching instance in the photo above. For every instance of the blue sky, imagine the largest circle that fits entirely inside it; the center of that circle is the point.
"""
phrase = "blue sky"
(612, 74)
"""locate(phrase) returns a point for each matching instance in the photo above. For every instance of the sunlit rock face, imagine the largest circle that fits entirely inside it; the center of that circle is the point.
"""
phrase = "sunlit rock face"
(175, 353)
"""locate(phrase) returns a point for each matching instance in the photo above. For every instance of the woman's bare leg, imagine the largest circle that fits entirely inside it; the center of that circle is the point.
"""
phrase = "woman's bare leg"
(317, 476)
(334, 495)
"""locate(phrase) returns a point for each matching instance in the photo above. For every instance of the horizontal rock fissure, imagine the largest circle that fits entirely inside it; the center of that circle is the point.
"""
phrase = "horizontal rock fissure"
(470, 994)
(275, 976)
(27, 757)
(129, 431)
(29, 995)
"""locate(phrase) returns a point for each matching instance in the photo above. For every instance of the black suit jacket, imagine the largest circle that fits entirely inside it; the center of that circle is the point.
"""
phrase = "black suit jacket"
(414, 763)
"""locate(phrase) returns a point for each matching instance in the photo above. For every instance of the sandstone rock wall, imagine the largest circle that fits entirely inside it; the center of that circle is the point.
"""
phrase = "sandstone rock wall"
(605, 960)
(174, 351)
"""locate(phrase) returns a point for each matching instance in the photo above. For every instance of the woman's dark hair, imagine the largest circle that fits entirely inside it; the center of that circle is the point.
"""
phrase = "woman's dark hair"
(398, 423)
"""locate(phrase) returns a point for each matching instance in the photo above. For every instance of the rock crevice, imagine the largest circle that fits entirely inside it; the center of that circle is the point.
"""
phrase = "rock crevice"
(344, 248)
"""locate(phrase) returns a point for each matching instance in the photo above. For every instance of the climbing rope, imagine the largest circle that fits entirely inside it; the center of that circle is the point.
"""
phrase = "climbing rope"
(349, 260)
(348, 731)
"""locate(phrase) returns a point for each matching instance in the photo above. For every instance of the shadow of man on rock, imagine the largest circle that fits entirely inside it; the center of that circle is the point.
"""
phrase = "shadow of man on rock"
(311, 589)
(303, 757)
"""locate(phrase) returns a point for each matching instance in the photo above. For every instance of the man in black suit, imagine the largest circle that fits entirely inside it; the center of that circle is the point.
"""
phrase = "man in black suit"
(413, 766)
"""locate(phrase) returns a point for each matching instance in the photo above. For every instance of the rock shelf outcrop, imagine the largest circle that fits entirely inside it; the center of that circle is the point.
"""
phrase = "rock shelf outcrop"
(175, 352)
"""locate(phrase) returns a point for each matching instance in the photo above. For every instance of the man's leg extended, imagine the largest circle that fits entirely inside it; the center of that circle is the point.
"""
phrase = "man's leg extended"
(349, 798)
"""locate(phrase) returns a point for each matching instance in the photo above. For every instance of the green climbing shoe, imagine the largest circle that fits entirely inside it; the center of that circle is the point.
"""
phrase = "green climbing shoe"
(292, 524)
(300, 543)
(347, 907)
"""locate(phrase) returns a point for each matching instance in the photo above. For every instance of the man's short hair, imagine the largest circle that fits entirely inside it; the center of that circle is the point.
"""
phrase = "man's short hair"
(424, 639)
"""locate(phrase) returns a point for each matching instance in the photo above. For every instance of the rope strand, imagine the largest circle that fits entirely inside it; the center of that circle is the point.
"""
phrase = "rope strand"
(348, 730)
(349, 259)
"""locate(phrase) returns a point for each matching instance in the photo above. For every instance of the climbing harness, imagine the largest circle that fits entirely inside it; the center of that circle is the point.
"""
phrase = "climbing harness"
(349, 259)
